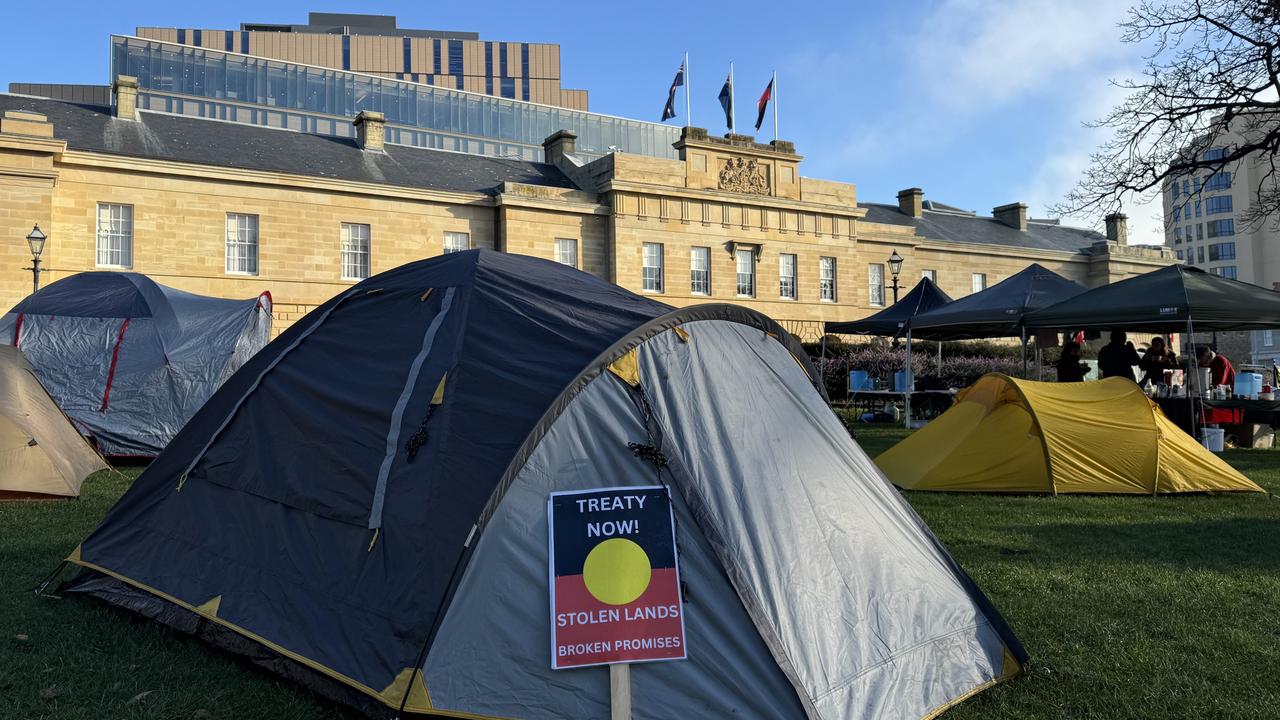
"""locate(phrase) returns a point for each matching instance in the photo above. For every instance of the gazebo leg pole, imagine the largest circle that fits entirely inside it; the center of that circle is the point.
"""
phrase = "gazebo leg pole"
(911, 382)
(1024, 351)
(1193, 381)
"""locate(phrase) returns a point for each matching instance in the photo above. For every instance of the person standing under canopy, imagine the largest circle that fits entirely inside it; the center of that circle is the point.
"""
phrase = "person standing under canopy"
(1070, 368)
(1117, 358)
(1158, 358)
(1220, 370)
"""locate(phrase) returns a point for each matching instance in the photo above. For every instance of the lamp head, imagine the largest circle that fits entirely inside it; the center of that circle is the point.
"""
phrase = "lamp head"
(35, 241)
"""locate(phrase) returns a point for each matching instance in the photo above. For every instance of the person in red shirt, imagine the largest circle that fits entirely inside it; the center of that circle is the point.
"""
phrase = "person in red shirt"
(1220, 370)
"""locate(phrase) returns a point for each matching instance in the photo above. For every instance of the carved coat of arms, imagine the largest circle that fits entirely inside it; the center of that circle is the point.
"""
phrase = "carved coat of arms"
(744, 176)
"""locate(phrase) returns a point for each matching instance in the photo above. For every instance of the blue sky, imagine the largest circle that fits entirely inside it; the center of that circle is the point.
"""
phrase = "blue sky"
(979, 102)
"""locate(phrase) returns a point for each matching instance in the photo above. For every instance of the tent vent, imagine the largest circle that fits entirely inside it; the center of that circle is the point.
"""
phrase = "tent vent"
(627, 368)
(649, 454)
(681, 333)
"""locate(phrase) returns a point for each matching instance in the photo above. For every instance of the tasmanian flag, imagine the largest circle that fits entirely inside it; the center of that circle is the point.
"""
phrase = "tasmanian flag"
(669, 111)
(763, 103)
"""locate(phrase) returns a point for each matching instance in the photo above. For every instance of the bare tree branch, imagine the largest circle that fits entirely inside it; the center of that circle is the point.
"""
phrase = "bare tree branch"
(1212, 69)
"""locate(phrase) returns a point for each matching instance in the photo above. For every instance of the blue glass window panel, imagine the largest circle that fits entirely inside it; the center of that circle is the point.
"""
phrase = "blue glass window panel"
(455, 57)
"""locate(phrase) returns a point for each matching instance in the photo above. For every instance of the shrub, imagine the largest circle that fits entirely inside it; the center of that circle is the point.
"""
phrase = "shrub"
(960, 370)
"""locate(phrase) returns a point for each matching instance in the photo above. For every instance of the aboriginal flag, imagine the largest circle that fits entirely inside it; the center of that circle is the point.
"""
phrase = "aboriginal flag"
(763, 103)
(615, 584)
(669, 111)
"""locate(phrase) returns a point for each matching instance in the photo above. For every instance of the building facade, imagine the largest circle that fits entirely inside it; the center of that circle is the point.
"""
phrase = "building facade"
(374, 45)
(1204, 227)
(230, 209)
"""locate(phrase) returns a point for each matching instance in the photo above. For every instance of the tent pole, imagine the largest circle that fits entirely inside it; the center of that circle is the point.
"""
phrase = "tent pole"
(911, 384)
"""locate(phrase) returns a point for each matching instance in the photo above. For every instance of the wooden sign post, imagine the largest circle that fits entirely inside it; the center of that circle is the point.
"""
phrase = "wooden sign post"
(620, 691)
(614, 582)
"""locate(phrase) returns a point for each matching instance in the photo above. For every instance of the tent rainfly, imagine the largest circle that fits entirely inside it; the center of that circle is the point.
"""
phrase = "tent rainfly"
(399, 443)
(41, 454)
(998, 311)
(130, 360)
(893, 320)
(1020, 436)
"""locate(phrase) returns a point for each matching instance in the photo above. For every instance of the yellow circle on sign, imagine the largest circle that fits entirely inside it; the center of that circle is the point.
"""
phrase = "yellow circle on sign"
(616, 571)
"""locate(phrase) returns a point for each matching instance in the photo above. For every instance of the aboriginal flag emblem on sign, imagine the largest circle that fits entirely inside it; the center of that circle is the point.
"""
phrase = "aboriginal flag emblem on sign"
(615, 584)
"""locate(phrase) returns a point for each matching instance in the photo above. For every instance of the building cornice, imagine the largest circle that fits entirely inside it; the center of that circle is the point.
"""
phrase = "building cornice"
(767, 202)
(195, 171)
(32, 143)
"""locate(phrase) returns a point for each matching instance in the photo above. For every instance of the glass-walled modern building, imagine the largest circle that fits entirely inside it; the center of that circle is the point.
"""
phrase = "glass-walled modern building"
(216, 84)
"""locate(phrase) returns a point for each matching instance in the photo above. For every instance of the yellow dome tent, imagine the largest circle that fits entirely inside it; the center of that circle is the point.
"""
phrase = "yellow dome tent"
(1019, 436)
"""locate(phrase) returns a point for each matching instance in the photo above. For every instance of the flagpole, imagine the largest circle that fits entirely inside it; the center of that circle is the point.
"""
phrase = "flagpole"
(688, 107)
(775, 105)
(733, 104)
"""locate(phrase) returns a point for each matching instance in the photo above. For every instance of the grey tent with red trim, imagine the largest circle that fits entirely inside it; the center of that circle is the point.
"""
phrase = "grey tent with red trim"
(130, 360)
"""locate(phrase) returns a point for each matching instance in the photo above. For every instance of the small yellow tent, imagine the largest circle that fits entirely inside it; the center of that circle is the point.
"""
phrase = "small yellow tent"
(1008, 435)
(41, 454)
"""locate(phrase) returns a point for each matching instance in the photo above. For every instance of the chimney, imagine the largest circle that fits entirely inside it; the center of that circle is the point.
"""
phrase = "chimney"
(557, 145)
(126, 92)
(370, 130)
(911, 202)
(1014, 215)
(1118, 228)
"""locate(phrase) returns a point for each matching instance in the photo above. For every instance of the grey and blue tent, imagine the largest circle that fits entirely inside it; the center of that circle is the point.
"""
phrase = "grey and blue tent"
(362, 508)
(130, 360)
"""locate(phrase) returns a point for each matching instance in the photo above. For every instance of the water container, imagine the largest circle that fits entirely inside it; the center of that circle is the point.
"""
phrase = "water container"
(900, 381)
(1257, 383)
(858, 380)
(1244, 385)
(1212, 438)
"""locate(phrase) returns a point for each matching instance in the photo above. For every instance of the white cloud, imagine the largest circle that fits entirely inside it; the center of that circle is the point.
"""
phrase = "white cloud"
(971, 58)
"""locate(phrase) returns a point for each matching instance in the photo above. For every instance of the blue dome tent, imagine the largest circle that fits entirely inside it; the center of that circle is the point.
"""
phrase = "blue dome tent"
(380, 474)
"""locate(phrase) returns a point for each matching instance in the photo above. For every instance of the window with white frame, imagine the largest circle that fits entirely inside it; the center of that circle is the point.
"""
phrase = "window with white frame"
(242, 244)
(567, 252)
(979, 282)
(931, 274)
(827, 278)
(1267, 339)
(787, 276)
(875, 285)
(355, 251)
(651, 272)
(115, 235)
(700, 270)
(456, 242)
(746, 262)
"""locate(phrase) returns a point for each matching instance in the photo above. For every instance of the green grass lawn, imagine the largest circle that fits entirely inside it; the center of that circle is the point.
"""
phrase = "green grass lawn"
(1131, 607)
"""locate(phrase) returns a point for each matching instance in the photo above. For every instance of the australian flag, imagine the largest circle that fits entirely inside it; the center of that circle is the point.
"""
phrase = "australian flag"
(669, 111)
(726, 102)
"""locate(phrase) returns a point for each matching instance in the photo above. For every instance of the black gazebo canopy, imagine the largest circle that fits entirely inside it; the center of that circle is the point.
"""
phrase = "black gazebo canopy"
(998, 311)
(892, 321)
(1170, 299)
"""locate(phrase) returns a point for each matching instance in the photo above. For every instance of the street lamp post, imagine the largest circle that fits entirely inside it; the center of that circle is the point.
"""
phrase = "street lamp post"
(35, 240)
(895, 267)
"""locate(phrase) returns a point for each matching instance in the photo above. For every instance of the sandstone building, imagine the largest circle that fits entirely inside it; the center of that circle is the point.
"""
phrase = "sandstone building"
(229, 209)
